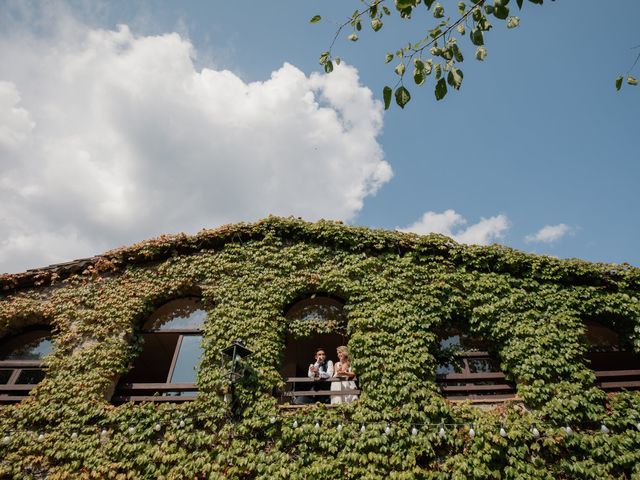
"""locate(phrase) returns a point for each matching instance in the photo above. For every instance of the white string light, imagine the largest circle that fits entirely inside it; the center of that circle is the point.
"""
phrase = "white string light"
(317, 426)
(339, 427)
(503, 432)
(568, 430)
(157, 427)
(414, 431)
(442, 432)
(41, 437)
(74, 436)
(535, 432)
(472, 432)
(131, 430)
(272, 420)
(295, 424)
(604, 429)
(181, 424)
(363, 428)
(6, 440)
(387, 429)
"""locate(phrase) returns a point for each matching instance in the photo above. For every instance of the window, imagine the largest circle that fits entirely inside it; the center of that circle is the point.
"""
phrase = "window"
(467, 371)
(21, 366)
(166, 368)
(615, 365)
(314, 322)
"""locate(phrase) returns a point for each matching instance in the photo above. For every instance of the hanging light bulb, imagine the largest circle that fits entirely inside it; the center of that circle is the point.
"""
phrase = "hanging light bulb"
(414, 431)
(6, 439)
(41, 437)
(181, 424)
(604, 429)
(317, 426)
(387, 429)
(104, 433)
(295, 424)
(503, 432)
(442, 432)
(131, 430)
(272, 420)
(157, 427)
(638, 425)
(363, 428)
(339, 427)
(535, 432)
(472, 432)
(568, 431)
(74, 436)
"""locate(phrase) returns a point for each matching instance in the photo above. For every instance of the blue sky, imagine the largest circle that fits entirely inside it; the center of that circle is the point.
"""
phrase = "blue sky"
(537, 136)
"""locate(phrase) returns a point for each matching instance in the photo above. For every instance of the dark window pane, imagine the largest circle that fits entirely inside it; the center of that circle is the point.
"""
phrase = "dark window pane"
(153, 364)
(30, 376)
(600, 337)
(27, 346)
(184, 313)
(4, 376)
(188, 359)
(482, 365)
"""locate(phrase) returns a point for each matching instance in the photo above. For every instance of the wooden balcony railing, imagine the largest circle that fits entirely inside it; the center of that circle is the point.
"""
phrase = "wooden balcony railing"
(305, 390)
(155, 392)
(617, 380)
(471, 384)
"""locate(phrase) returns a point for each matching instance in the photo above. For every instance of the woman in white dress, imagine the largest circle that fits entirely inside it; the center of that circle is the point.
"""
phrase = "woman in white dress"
(342, 370)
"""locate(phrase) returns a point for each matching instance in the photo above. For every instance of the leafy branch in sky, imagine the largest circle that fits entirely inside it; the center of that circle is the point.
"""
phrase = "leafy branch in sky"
(438, 54)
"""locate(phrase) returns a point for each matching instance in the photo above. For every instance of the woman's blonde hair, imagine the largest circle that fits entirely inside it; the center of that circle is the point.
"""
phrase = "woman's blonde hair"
(345, 350)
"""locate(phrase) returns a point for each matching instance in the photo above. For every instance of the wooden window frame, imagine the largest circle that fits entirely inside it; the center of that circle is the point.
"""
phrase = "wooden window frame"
(131, 392)
(12, 392)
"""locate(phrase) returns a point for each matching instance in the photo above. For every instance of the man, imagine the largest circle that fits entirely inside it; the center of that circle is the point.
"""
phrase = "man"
(321, 369)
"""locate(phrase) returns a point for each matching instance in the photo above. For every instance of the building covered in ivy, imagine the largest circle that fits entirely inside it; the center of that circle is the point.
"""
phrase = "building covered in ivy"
(470, 362)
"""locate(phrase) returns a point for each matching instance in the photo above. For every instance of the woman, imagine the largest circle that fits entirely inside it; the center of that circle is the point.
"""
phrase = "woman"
(342, 370)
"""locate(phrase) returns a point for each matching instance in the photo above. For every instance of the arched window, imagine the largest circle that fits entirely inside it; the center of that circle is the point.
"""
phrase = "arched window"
(468, 371)
(21, 366)
(166, 368)
(614, 363)
(314, 322)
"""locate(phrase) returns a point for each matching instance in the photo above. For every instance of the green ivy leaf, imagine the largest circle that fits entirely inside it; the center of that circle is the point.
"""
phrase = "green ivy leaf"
(501, 12)
(441, 89)
(476, 37)
(619, 82)
(328, 67)
(315, 19)
(402, 96)
(513, 22)
(386, 95)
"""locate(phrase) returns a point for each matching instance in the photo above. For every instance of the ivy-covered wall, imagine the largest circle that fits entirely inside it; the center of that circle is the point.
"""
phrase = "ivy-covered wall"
(399, 289)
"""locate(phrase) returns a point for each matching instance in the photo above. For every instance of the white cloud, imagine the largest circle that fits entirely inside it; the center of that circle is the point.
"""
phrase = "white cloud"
(113, 138)
(549, 233)
(486, 231)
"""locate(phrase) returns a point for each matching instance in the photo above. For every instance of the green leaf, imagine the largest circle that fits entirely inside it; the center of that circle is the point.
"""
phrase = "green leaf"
(400, 68)
(513, 22)
(376, 24)
(460, 28)
(476, 37)
(353, 37)
(386, 95)
(632, 80)
(454, 78)
(315, 19)
(328, 67)
(419, 64)
(388, 58)
(324, 57)
(386, 11)
(619, 82)
(481, 53)
(438, 10)
(402, 96)
(462, 7)
(441, 89)
(501, 12)
(418, 76)
(402, 4)
(428, 3)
